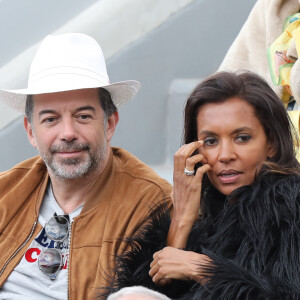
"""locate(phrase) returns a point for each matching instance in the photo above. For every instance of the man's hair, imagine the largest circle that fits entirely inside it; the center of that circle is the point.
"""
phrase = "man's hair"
(104, 98)
(138, 291)
(29, 107)
(106, 102)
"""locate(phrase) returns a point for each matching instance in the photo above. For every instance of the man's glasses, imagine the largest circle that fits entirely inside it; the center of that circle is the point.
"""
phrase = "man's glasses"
(50, 261)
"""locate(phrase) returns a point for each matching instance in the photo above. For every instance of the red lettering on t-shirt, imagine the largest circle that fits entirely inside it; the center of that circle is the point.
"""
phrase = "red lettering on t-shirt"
(66, 261)
(29, 254)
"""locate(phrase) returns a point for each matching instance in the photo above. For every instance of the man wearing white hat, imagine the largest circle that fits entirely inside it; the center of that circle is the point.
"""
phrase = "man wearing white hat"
(63, 214)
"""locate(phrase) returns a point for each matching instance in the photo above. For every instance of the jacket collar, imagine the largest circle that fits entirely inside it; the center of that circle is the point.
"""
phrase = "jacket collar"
(103, 186)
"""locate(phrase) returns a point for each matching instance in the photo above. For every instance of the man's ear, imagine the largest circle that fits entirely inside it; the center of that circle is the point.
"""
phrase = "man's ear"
(111, 125)
(29, 132)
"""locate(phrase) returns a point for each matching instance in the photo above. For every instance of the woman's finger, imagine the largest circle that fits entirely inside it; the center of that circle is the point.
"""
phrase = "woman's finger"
(154, 269)
(154, 261)
(157, 277)
(193, 160)
(177, 160)
(155, 255)
(154, 264)
(202, 170)
(183, 153)
(164, 282)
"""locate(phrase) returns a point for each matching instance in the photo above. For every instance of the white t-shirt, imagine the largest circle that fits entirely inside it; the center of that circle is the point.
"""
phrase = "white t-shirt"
(27, 281)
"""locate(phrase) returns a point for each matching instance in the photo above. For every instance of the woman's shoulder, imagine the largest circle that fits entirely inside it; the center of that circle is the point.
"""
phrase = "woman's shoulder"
(270, 179)
(278, 187)
(267, 187)
(271, 199)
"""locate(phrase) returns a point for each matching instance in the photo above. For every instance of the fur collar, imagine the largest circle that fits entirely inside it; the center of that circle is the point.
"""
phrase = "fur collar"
(254, 242)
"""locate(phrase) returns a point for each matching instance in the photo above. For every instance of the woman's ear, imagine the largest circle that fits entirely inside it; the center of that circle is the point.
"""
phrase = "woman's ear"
(271, 150)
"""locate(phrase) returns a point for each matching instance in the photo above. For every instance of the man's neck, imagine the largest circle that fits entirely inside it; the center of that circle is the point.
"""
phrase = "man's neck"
(71, 193)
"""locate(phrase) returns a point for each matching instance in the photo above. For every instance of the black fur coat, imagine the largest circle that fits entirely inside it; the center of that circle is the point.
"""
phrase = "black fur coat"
(253, 240)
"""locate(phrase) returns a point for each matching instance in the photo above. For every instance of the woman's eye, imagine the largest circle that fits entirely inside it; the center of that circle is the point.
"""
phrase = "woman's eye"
(243, 138)
(210, 141)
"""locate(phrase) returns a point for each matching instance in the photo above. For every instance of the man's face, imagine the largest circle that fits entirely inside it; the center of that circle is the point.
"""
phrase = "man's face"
(70, 131)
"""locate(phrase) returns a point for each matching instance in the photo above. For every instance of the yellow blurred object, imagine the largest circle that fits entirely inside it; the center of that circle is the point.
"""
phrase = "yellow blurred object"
(280, 57)
(295, 117)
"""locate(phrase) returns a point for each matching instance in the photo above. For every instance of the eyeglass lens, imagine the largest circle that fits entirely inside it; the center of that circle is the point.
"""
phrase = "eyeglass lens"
(57, 228)
(50, 260)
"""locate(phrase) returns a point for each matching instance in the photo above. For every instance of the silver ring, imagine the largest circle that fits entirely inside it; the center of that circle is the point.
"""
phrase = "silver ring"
(188, 172)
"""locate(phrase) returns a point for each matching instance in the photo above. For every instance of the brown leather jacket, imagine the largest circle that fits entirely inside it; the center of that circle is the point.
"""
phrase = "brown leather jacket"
(119, 200)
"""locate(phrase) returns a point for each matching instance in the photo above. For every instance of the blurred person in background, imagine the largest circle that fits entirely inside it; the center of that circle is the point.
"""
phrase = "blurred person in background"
(269, 45)
(136, 293)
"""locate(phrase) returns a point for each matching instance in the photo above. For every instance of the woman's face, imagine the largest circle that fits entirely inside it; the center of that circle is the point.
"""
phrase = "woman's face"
(235, 143)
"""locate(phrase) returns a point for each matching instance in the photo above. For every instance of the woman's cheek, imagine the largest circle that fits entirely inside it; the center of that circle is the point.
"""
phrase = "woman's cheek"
(209, 155)
(210, 176)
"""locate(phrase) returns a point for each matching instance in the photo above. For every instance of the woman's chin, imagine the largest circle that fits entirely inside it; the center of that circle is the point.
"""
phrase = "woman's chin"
(227, 189)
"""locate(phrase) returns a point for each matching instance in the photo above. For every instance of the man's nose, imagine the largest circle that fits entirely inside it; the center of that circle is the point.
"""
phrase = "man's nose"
(227, 152)
(68, 130)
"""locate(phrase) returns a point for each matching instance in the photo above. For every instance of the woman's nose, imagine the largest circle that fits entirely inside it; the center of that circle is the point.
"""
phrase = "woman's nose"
(227, 152)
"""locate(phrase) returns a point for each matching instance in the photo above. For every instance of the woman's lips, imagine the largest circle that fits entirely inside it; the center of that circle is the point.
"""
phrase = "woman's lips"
(229, 176)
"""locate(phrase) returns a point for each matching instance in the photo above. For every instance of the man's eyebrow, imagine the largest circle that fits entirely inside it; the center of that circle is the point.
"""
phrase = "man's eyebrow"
(46, 111)
(88, 107)
(52, 111)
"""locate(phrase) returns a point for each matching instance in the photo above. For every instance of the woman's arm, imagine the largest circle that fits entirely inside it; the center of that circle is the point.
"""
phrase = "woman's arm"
(134, 265)
(186, 193)
(172, 263)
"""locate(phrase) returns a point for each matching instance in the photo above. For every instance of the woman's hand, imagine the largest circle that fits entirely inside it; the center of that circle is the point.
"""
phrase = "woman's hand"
(171, 263)
(186, 193)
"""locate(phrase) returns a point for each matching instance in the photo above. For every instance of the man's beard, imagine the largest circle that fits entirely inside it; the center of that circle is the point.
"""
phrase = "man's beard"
(71, 168)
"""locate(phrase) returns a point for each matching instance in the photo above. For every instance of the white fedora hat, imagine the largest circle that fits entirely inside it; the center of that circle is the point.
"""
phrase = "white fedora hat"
(66, 62)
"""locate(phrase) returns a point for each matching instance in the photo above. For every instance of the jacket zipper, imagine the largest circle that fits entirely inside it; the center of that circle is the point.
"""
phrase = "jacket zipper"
(17, 251)
(69, 258)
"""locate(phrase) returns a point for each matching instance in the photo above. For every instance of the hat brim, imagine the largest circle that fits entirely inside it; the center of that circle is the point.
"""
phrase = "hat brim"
(121, 92)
